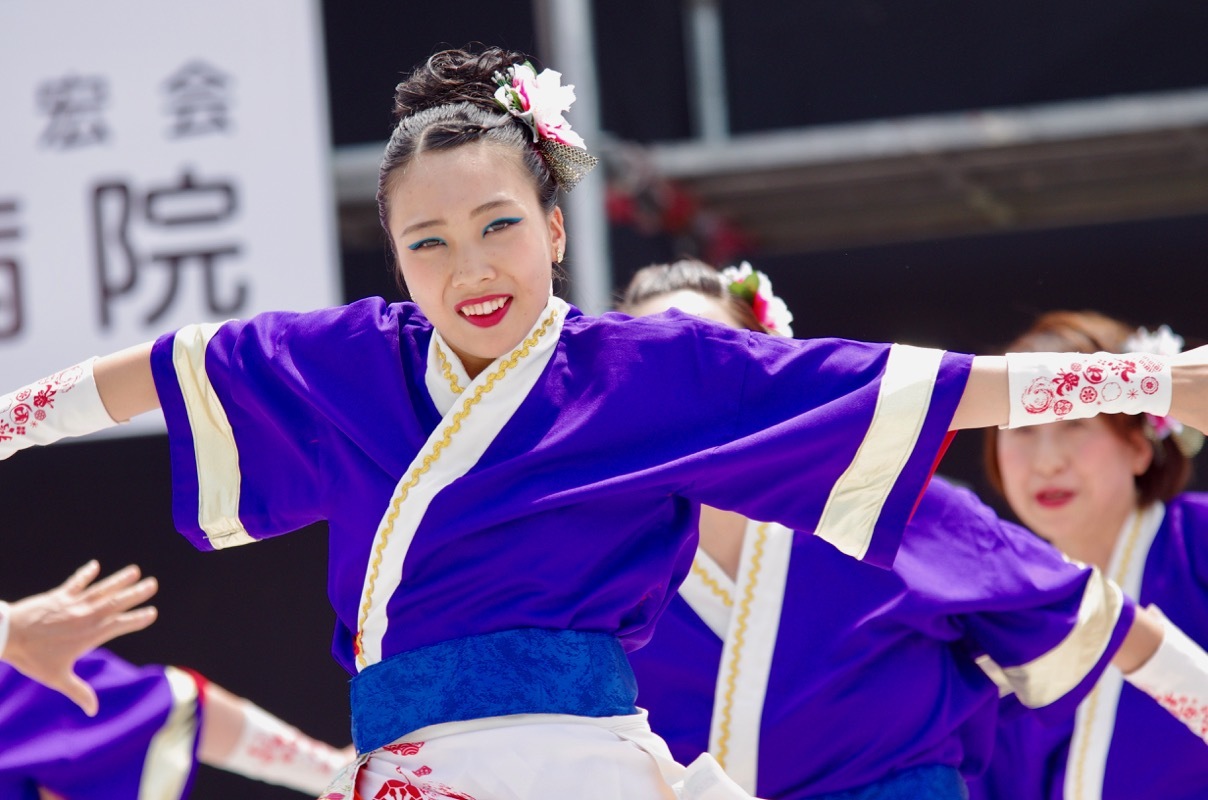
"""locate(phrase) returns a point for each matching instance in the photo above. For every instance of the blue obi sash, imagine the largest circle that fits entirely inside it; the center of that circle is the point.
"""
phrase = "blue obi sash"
(920, 783)
(524, 671)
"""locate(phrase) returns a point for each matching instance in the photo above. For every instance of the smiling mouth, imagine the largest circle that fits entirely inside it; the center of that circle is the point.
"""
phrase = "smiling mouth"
(486, 312)
(1054, 498)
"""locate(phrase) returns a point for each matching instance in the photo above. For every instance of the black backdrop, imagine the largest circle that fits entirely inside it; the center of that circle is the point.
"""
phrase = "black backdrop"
(256, 620)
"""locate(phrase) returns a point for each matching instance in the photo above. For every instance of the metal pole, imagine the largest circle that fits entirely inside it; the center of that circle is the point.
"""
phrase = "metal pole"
(566, 33)
(706, 69)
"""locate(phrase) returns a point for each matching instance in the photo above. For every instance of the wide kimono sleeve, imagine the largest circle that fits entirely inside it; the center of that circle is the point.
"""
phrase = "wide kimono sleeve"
(143, 742)
(249, 404)
(1043, 627)
(836, 438)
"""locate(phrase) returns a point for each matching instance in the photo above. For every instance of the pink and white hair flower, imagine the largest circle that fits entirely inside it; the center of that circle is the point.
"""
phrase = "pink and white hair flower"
(539, 101)
(755, 287)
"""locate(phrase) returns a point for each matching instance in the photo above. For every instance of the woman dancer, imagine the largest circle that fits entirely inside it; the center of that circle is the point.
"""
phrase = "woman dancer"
(151, 725)
(780, 655)
(155, 724)
(1109, 492)
(510, 485)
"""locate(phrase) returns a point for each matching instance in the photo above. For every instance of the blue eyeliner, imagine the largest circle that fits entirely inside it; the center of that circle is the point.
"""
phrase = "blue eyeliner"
(423, 242)
(508, 220)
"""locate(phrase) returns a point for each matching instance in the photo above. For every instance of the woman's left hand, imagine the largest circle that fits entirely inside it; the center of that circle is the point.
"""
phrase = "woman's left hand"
(48, 632)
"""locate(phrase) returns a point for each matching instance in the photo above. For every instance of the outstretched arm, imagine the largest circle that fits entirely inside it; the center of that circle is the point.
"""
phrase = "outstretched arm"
(124, 382)
(1140, 643)
(48, 632)
(1170, 668)
(1190, 403)
(984, 401)
(88, 397)
(1035, 388)
(239, 736)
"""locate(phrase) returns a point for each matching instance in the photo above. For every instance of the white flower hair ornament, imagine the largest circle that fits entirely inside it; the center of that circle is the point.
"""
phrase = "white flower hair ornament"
(755, 288)
(1166, 342)
(539, 101)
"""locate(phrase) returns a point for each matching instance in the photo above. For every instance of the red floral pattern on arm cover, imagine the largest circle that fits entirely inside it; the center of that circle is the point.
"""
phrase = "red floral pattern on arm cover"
(1046, 387)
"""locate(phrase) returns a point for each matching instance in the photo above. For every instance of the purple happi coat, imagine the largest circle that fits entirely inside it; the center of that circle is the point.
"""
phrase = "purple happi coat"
(1121, 745)
(142, 743)
(814, 673)
(578, 511)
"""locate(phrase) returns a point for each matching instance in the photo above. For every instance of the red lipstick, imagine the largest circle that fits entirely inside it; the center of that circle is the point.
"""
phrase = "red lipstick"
(492, 317)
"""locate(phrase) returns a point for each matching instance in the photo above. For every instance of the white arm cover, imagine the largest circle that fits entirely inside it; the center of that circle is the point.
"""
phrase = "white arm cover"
(60, 405)
(1046, 387)
(1177, 677)
(269, 750)
(4, 623)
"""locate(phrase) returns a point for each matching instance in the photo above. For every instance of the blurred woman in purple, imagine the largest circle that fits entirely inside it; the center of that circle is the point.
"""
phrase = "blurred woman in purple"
(811, 675)
(1109, 492)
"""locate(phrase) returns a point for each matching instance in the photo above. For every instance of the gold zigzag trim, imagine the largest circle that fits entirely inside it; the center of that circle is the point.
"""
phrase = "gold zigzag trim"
(711, 583)
(740, 632)
(446, 439)
(446, 369)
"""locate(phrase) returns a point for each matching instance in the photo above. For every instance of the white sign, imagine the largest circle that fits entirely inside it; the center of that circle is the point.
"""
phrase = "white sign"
(160, 164)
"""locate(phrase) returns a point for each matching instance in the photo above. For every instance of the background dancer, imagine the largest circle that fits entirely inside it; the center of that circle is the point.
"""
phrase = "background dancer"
(1109, 492)
(155, 724)
(137, 731)
(779, 652)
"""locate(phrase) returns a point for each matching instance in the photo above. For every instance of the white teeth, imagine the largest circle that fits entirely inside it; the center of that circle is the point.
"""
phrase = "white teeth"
(479, 309)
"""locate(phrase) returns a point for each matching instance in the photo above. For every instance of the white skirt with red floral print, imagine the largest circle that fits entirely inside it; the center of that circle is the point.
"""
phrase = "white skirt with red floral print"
(535, 757)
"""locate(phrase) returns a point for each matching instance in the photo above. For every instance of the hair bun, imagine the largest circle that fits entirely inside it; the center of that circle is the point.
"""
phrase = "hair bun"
(454, 76)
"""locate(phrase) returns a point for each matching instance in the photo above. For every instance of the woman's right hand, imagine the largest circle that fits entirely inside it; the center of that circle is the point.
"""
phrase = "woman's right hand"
(48, 632)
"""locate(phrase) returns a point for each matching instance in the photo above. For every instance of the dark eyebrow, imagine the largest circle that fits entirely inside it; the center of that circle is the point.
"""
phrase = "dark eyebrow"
(487, 206)
(420, 225)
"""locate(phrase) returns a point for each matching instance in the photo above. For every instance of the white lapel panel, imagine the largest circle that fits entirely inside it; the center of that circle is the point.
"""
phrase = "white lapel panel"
(463, 435)
(746, 660)
(709, 591)
(445, 376)
(1096, 717)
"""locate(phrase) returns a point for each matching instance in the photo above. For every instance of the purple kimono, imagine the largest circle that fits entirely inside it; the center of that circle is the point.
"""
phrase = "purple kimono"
(142, 743)
(1121, 744)
(871, 672)
(579, 512)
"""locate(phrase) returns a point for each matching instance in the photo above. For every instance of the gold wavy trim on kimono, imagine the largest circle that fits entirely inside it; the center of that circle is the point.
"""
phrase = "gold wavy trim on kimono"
(1083, 734)
(446, 369)
(712, 585)
(418, 472)
(740, 633)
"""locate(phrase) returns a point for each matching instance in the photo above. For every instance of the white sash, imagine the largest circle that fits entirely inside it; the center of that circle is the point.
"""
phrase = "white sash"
(1095, 721)
(746, 616)
(472, 419)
